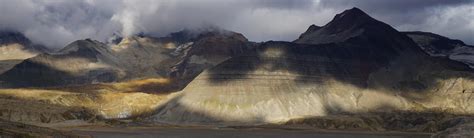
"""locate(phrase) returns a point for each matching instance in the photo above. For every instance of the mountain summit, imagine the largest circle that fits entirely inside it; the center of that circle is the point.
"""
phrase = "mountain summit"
(356, 26)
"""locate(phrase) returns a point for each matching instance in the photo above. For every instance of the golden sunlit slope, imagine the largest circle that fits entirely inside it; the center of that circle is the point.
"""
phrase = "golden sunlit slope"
(12, 54)
(88, 102)
(14, 48)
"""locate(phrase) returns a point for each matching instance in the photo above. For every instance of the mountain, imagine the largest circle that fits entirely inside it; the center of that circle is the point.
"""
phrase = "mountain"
(437, 45)
(355, 66)
(83, 61)
(89, 61)
(353, 25)
(354, 73)
(15, 47)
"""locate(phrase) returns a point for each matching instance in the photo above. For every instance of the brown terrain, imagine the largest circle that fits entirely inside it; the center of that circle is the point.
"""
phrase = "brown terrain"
(353, 77)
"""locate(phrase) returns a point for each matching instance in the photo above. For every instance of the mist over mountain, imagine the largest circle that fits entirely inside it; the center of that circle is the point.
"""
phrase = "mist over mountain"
(15, 47)
(258, 20)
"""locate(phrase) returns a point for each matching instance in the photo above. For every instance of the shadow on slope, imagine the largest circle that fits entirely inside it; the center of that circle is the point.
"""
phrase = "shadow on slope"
(348, 63)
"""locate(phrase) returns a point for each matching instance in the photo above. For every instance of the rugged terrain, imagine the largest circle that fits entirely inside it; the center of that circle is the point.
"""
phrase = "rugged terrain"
(343, 68)
(178, 57)
(354, 73)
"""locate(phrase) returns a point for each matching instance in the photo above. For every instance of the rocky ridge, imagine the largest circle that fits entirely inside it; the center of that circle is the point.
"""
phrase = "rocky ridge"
(89, 61)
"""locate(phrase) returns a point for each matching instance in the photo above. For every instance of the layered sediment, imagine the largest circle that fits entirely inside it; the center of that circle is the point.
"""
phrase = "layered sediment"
(360, 72)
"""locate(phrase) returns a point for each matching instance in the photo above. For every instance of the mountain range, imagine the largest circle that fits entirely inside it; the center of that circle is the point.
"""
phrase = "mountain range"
(179, 56)
(353, 65)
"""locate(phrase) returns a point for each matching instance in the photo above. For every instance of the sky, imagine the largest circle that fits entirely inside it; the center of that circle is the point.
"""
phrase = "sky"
(55, 23)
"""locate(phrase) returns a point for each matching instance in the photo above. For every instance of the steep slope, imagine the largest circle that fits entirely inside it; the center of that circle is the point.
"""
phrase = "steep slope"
(15, 47)
(179, 57)
(354, 25)
(353, 65)
(176, 57)
(437, 45)
(83, 61)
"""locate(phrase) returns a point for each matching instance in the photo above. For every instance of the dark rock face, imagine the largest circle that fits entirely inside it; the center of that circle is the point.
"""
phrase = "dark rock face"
(210, 47)
(347, 62)
(355, 26)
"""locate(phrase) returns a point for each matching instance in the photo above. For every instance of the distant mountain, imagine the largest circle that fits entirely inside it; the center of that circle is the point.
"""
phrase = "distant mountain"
(15, 47)
(88, 61)
(12, 37)
(353, 65)
(437, 45)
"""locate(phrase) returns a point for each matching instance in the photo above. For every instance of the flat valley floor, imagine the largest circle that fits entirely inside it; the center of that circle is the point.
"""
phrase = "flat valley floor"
(234, 133)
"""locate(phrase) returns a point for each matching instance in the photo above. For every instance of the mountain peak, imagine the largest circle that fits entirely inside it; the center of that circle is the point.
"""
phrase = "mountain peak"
(353, 11)
(349, 18)
(349, 24)
(356, 27)
(82, 46)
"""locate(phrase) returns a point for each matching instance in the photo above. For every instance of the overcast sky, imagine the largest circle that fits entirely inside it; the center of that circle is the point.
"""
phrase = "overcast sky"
(58, 22)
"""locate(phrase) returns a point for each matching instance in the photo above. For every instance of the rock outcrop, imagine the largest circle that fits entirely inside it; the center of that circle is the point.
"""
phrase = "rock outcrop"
(440, 46)
(353, 65)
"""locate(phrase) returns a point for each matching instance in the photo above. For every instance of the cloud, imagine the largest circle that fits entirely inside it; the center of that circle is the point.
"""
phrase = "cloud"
(56, 23)
(456, 22)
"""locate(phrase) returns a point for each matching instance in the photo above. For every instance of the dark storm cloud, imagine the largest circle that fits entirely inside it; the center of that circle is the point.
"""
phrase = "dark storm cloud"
(58, 22)
(284, 4)
(398, 11)
(393, 5)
